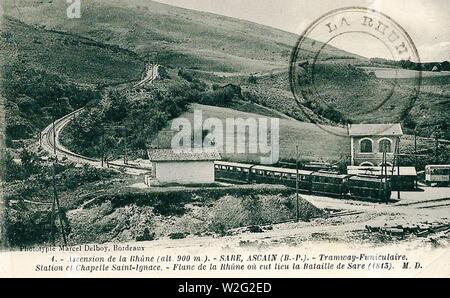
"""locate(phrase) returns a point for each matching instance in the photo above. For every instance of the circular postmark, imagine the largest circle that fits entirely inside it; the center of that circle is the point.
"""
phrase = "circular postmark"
(332, 74)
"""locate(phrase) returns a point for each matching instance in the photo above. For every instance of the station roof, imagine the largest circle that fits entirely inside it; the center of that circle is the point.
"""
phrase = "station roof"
(170, 155)
(234, 164)
(281, 170)
(366, 170)
(394, 129)
(329, 174)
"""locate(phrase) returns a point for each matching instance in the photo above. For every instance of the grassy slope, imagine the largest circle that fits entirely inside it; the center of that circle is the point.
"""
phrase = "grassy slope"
(183, 38)
(74, 58)
(330, 147)
(217, 44)
(314, 142)
(41, 67)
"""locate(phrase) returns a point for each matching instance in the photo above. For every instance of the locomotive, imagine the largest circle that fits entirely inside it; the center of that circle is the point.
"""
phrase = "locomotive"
(362, 187)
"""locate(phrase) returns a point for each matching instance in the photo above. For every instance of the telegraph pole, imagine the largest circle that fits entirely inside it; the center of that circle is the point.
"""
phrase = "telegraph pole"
(58, 206)
(296, 182)
(54, 137)
(436, 147)
(102, 149)
(125, 154)
(415, 154)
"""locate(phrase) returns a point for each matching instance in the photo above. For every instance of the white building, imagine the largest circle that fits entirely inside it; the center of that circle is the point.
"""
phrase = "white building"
(370, 141)
(183, 167)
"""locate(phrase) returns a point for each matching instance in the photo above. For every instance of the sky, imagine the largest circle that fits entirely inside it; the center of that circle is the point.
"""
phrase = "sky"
(426, 21)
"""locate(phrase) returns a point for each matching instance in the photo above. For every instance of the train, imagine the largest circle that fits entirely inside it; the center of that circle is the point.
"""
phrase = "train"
(437, 174)
(361, 187)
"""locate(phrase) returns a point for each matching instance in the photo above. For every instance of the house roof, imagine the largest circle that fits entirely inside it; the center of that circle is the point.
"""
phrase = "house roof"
(366, 170)
(375, 129)
(167, 155)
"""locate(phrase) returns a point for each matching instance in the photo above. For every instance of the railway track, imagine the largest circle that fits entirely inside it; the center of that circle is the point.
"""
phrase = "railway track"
(50, 142)
(50, 139)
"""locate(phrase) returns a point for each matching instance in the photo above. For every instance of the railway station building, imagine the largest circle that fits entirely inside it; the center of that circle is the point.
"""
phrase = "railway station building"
(182, 167)
(369, 141)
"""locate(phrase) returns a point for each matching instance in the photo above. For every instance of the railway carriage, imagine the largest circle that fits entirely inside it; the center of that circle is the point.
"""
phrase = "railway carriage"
(329, 183)
(273, 175)
(369, 188)
(232, 172)
(365, 187)
(438, 174)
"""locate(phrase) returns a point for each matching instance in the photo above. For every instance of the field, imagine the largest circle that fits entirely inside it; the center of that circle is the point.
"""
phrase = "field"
(331, 147)
(392, 73)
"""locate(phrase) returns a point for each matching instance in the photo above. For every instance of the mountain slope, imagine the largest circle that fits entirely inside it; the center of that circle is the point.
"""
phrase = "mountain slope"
(47, 74)
(181, 37)
(76, 58)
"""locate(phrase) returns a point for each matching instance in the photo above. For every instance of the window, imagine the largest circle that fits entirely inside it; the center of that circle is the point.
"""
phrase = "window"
(365, 146)
(385, 146)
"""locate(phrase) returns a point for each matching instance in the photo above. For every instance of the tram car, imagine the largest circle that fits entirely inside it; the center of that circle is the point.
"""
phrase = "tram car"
(369, 187)
(437, 174)
(329, 183)
(364, 187)
(274, 175)
(232, 172)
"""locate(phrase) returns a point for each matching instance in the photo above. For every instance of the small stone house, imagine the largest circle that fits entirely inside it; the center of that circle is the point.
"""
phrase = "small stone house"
(369, 141)
(183, 167)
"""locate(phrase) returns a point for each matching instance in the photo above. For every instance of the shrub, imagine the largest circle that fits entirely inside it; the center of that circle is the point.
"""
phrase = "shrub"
(27, 227)
(252, 79)
(177, 235)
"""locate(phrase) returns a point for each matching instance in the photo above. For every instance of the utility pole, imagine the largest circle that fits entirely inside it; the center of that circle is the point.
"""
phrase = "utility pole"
(415, 155)
(101, 149)
(56, 202)
(53, 231)
(384, 173)
(296, 182)
(436, 148)
(398, 179)
(125, 154)
(54, 137)
(397, 159)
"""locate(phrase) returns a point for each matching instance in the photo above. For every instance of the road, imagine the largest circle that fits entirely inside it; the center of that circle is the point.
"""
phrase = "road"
(151, 75)
(50, 139)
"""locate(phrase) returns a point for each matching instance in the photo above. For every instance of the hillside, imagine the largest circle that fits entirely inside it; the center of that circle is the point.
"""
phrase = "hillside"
(220, 50)
(181, 37)
(330, 148)
(47, 74)
(315, 143)
(72, 57)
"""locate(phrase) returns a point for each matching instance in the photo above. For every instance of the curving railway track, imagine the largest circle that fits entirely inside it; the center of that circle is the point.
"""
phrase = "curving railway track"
(51, 134)
(50, 142)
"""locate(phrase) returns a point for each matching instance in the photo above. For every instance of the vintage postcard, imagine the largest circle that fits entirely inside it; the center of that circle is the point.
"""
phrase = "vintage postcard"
(225, 138)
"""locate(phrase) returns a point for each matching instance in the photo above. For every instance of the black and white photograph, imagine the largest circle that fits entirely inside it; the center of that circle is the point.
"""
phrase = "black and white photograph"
(224, 138)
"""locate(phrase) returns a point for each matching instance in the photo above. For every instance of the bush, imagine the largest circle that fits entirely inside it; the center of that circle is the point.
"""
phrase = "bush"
(26, 227)
(177, 235)
(252, 79)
